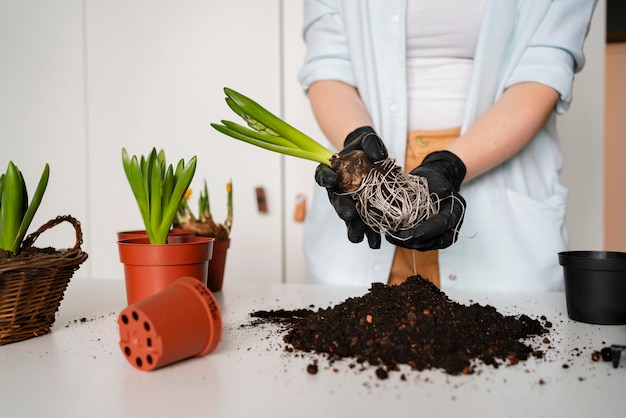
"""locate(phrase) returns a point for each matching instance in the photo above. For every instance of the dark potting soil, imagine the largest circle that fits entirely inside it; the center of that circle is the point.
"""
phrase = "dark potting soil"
(413, 323)
(25, 253)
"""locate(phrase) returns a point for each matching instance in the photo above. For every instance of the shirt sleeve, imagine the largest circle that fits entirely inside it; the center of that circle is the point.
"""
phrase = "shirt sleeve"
(555, 52)
(327, 51)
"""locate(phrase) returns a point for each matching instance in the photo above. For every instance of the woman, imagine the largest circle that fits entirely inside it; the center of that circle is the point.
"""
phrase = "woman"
(483, 81)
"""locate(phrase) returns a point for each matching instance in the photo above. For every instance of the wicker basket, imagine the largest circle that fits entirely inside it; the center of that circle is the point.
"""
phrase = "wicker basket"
(32, 285)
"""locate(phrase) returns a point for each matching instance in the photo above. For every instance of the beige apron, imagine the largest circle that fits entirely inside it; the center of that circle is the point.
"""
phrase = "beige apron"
(407, 262)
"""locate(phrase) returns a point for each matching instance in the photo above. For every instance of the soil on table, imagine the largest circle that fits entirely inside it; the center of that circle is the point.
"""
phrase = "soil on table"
(413, 323)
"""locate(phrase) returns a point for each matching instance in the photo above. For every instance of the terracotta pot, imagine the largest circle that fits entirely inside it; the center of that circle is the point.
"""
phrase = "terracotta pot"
(181, 321)
(217, 265)
(172, 236)
(150, 268)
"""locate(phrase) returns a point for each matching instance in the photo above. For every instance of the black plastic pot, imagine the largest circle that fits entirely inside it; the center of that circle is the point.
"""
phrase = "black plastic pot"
(595, 286)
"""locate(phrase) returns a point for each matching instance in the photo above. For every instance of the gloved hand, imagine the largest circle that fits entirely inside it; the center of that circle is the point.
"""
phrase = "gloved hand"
(444, 172)
(366, 139)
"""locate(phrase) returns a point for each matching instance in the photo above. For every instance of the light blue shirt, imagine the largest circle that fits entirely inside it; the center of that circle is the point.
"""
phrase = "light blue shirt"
(514, 223)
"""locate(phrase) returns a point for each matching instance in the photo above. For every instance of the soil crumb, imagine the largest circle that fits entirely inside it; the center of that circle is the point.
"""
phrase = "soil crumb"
(413, 323)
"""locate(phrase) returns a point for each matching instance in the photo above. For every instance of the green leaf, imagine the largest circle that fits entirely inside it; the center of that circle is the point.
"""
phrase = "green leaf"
(205, 203)
(15, 212)
(12, 206)
(294, 152)
(182, 184)
(269, 131)
(168, 186)
(155, 203)
(134, 169)
(1, 217)
(261, 136)
(157, 190)
(256, 112)
(33, 206)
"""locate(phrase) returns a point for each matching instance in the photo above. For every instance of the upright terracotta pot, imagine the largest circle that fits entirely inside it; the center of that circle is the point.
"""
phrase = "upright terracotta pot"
(150, 268)
(181, 321)
(217, 265)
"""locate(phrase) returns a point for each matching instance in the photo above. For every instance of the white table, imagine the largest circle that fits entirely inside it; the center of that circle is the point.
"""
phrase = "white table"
(78, 370)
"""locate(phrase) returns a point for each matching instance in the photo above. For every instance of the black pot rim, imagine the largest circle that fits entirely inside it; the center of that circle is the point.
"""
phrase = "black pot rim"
(593, 260)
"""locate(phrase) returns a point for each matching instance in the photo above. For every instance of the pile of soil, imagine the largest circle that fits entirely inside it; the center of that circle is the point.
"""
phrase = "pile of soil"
(413, 323)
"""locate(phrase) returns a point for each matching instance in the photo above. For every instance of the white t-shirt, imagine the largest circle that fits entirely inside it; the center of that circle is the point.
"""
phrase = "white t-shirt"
(441, 37)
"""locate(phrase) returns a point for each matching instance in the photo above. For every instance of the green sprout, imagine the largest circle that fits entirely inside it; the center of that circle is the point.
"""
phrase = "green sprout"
(269, 131)
(16, 213)
(158, 189)
(204, 224)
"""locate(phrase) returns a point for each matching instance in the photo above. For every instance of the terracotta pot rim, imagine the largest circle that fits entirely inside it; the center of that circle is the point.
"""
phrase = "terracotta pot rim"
(216, 240)
(182, 241)
(142, 232)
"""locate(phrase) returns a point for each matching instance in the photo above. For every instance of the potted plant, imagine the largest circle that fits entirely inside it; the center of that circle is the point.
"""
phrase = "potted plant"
(151, 263)
(32, 280)
(205, 225)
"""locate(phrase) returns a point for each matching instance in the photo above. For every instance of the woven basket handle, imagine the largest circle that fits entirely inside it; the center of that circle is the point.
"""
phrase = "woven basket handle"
(30, 239)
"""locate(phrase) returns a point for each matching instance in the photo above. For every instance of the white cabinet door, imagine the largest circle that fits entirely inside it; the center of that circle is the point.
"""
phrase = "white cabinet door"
(156, 72)
(41, 108)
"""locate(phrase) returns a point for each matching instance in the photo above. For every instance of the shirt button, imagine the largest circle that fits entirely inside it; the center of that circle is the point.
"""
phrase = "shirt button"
(394, 108)
(377, 268)
(394, 18)
(452, 277)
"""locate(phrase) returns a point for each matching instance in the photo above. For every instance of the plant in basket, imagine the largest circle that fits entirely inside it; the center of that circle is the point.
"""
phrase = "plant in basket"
(205, 225)
(32, 280)
(16, 213)
(152, 263)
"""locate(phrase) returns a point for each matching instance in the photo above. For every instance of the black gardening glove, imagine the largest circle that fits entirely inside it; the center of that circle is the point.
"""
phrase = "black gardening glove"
(366, 139)
(444, 172)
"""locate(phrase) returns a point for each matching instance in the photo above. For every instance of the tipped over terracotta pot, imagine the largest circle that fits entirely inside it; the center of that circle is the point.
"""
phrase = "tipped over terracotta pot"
(182, 321)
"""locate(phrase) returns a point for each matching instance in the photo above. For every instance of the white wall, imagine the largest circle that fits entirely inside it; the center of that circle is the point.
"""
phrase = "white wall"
(156, 71)
(82, 79)
(582, 136)
(42, 109)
